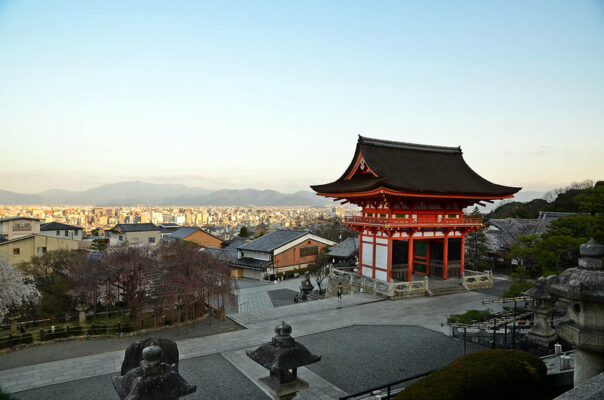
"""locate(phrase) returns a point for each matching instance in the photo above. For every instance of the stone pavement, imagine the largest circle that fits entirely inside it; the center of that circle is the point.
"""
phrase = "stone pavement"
(305, 319)
(256, 298)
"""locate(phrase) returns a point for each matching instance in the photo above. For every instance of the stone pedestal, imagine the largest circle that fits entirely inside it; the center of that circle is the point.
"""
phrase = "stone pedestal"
(282, 391)
(583, 287)
(13, 324)
(82, 308)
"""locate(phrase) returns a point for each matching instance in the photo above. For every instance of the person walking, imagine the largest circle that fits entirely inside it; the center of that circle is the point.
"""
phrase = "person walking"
(340, 291)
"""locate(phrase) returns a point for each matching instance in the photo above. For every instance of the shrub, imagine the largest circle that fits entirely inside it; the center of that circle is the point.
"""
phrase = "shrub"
(76, 330)
(487, 374)
(470, 317)
(27, 338)
(6, 396)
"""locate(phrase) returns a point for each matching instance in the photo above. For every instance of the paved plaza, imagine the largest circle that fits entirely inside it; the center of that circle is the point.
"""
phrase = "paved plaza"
(363, 341)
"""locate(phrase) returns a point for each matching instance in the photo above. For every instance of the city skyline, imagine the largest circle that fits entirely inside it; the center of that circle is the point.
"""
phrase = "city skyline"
(273, 95)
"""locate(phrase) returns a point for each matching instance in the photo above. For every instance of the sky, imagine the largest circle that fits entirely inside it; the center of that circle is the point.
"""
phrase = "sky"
(273, 95)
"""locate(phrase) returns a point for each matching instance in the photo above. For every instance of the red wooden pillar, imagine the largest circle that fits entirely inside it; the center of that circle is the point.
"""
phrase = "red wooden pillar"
(463, 253)
(374, 241)
(445, 256)
(361, 253)
(428, 258)
(410, 259)
(389, 272)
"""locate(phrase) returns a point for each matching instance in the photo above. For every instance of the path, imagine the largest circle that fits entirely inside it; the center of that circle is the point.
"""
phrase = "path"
(305, 318)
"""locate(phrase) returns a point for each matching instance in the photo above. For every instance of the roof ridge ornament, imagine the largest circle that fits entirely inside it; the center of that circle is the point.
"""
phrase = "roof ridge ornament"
(407, 145)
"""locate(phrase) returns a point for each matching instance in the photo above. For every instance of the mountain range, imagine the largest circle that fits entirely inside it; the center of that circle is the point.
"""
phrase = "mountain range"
(144, 193)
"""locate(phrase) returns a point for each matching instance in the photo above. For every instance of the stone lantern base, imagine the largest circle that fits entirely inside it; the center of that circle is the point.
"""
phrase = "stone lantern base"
(282, 391)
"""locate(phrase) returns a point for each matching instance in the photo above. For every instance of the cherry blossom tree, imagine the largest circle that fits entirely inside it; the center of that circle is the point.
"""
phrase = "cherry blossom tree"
(16, 289)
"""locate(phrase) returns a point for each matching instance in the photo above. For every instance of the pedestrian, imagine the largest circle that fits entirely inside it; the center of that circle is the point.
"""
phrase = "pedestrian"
(340, 291)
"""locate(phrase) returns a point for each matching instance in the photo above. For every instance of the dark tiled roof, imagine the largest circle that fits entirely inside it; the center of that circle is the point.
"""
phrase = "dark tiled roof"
(135, 227)
(414, 168)
(56, 226)
(247, 262)
(273, 240)
(235, 243)
(183, 232)
(346, 248)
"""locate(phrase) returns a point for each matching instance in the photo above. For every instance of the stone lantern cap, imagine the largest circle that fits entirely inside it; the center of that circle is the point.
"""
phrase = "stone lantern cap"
(153, 380)
(283, 352)
(586, 282)
(540, 290)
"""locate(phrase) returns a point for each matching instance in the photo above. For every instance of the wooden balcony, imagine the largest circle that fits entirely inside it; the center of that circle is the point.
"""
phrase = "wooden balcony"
(420, 221)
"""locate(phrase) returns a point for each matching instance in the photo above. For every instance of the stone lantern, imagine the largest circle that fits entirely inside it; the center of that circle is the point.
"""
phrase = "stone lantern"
(153, 380)
(583, 288)
(282, 357)
(542, 333)
(306, 287)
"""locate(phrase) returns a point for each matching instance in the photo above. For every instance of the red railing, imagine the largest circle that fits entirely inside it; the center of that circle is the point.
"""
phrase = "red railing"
(412, 222)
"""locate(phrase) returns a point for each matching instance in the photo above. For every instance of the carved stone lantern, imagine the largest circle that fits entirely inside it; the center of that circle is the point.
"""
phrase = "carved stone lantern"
(282, 357)
(583, 288)
(542, 333)
(306, 287)
(153, 380)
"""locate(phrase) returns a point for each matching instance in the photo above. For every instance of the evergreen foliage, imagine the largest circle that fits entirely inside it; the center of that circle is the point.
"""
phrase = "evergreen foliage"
(487, 374)
(476, 248)
(243, 232)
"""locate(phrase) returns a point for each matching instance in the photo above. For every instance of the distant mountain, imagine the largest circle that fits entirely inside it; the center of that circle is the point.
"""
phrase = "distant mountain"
(7, 197)
(143, 193)
(249, 197)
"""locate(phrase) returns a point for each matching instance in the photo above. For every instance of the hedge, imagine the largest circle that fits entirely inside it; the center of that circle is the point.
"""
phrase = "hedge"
(486, 374)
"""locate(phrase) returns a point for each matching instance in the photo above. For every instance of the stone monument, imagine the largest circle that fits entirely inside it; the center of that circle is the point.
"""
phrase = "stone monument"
(583, 288)
(134, 353)
(152, 380)
(282, 357)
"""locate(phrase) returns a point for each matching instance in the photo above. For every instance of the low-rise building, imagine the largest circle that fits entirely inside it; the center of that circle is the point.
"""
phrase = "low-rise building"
(277, 252)
(57, 229)
(135, 234)
(22, 249)
(16, 227)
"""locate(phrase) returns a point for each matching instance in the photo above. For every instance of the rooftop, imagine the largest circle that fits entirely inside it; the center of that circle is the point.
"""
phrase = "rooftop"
(55, 226)
(273, 240)
(135, 228)
(412, 168)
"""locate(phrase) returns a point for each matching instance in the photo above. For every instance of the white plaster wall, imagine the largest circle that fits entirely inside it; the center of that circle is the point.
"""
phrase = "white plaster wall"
(368, 272)
(381, 257)
(381, 275)
(367, 254)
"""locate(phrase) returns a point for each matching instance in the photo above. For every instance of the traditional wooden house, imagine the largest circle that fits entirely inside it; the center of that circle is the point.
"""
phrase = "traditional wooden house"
(412, 198)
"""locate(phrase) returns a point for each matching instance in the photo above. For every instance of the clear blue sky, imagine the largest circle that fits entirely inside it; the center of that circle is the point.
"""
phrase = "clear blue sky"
(273, 94)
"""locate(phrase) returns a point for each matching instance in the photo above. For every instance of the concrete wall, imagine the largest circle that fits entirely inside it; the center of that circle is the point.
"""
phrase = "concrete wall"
(17, 228)
(33, 246)
(71, 234)
(136, 238)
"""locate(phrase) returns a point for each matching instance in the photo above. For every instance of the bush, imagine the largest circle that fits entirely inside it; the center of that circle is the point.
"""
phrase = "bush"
(487, 374)
(470, 317)
(27, 338)
(76, 330)
(6, 396)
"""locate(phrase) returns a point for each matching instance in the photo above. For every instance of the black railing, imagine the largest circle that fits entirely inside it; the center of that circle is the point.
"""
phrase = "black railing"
(388, 387)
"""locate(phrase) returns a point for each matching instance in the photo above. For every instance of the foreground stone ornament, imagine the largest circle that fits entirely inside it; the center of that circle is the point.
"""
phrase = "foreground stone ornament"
(134, 353)
(282, 357)
(153, 380)
(542, 333)
(583, 288)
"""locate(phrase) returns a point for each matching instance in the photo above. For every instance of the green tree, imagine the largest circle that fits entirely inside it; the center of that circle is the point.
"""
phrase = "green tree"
(49, 273)
(476, 247)
(99, 244)
(593, 200)
(243, 232)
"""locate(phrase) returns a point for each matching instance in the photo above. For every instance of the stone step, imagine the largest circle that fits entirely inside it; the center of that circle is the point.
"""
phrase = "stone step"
(446, 290)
